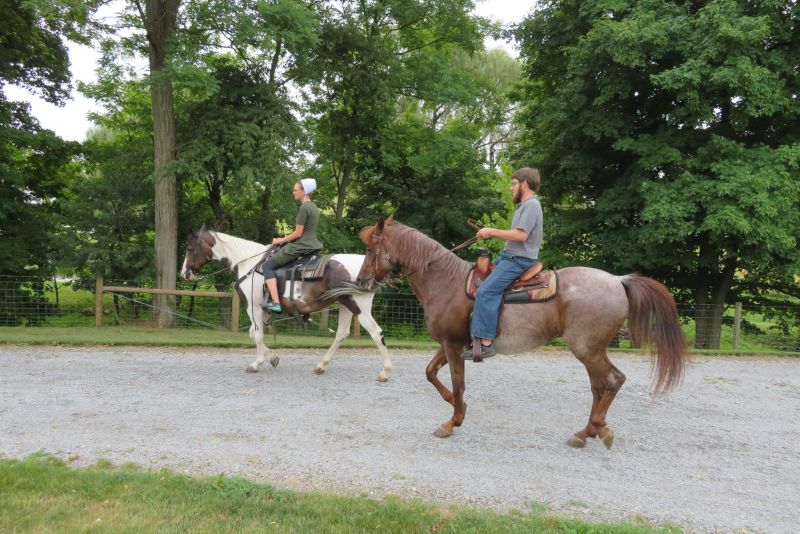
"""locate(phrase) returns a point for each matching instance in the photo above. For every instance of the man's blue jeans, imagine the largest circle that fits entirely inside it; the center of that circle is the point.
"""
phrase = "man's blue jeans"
(490, 294)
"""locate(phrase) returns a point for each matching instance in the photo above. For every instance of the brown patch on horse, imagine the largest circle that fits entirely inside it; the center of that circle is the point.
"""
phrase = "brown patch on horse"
(312, 290)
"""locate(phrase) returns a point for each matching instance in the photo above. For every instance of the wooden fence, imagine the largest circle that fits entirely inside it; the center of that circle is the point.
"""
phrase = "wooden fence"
(100, 289)
(233, 295)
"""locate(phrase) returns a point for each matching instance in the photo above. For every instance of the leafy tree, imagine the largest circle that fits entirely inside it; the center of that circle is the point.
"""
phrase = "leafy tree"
(236, 145)
(35, 165)
(430, 177)
(669, 140)
(372, 53)
(33, 161)
(110, 207)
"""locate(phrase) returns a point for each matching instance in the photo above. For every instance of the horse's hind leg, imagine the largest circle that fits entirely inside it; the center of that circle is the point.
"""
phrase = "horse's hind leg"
(605, 380)
(342, 331)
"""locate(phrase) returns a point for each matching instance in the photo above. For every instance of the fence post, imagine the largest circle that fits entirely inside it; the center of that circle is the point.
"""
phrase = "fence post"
(323, 320)
(737, 324)
(235, 310)
(356, 327)
(98, 300)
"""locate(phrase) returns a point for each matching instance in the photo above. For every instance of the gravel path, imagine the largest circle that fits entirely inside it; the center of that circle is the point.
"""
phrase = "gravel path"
(720, 454)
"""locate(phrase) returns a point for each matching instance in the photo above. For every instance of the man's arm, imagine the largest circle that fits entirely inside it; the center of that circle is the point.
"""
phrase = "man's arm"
(515, 234)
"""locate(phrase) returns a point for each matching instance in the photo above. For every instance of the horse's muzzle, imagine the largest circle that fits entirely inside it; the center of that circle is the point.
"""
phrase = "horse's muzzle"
(188, 274)
(365, 282)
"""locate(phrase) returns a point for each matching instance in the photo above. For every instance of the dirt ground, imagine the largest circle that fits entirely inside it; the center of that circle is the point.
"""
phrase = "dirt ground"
(720, 454)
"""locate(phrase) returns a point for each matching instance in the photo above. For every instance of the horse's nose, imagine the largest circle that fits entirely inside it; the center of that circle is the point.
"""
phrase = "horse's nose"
(365, 281)
(186, 273)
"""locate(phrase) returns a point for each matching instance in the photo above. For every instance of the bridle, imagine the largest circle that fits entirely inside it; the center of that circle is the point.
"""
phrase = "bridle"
(195, 254)
(376, 255)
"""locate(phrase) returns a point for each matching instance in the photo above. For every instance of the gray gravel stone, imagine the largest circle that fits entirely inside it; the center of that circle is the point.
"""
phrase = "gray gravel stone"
(720, 454)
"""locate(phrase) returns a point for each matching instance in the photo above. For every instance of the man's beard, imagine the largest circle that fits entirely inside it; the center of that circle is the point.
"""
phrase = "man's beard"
(518, 196)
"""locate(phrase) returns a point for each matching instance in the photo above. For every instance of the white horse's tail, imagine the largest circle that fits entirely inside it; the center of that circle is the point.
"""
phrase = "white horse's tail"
(342, 289)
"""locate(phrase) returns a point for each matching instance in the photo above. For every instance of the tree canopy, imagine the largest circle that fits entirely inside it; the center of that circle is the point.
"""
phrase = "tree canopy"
(669, 138)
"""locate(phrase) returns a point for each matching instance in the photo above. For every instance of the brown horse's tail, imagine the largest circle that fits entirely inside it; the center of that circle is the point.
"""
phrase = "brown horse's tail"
(653, 321)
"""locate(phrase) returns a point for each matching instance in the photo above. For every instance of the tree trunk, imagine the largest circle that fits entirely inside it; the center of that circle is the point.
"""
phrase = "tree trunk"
(160, 21)
(266, 227)
(223, 221)
(710, 299)
(342, 189)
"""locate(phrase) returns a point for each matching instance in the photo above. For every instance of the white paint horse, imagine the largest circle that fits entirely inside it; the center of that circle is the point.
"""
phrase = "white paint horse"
(242, 257)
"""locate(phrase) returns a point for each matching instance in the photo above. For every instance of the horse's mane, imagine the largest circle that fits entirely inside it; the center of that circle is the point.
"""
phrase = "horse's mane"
(418, 252)
(242, 246)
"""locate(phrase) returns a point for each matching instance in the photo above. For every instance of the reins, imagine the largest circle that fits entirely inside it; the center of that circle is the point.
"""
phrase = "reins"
(201, 277)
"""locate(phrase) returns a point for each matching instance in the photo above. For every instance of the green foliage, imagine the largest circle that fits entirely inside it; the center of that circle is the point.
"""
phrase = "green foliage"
(110, 201)
(35, 169)
(404, 112)
(431, 179)
(34, 163)
(32, 40)
(236, 146)
(372, 54)
(668, 138)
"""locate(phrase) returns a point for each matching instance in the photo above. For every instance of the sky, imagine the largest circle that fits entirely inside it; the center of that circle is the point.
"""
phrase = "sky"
(71, 121)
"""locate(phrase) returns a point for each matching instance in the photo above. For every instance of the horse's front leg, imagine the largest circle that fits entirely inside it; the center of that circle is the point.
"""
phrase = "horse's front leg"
(450, 354)
(432, 374)
(257, 335)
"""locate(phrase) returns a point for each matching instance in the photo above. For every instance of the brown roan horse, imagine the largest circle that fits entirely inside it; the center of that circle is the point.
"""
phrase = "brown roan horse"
(589, 309)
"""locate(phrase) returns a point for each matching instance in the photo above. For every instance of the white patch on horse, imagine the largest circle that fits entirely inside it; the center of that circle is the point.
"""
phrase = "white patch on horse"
(298, 290)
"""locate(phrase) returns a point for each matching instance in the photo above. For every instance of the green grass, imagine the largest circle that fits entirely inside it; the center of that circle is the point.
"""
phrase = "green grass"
(179, 337)
(76, 311)
(43, 494)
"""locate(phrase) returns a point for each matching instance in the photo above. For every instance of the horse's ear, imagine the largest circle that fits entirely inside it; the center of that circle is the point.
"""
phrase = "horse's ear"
(202, 229)
(390, 220)
(379, 226)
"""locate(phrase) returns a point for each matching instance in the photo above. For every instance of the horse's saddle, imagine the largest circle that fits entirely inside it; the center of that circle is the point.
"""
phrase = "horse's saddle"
(534, 285)
(309, 267)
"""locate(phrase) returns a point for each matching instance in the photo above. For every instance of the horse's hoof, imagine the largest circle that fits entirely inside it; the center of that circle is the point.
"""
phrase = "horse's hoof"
(274, 361)
(319, 371)
(381, 378)
(251, 369)
(608, 439)
(442, 432)
(577, 442)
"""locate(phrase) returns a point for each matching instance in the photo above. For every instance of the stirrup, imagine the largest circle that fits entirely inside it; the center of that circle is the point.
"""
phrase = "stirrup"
(479, 351)
(270, 306)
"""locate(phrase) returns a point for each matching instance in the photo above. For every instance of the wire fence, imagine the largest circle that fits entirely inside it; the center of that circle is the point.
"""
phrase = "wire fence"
(52, 302)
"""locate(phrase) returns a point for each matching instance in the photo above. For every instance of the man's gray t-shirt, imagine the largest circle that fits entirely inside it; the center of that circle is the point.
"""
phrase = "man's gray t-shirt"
(527, 217)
